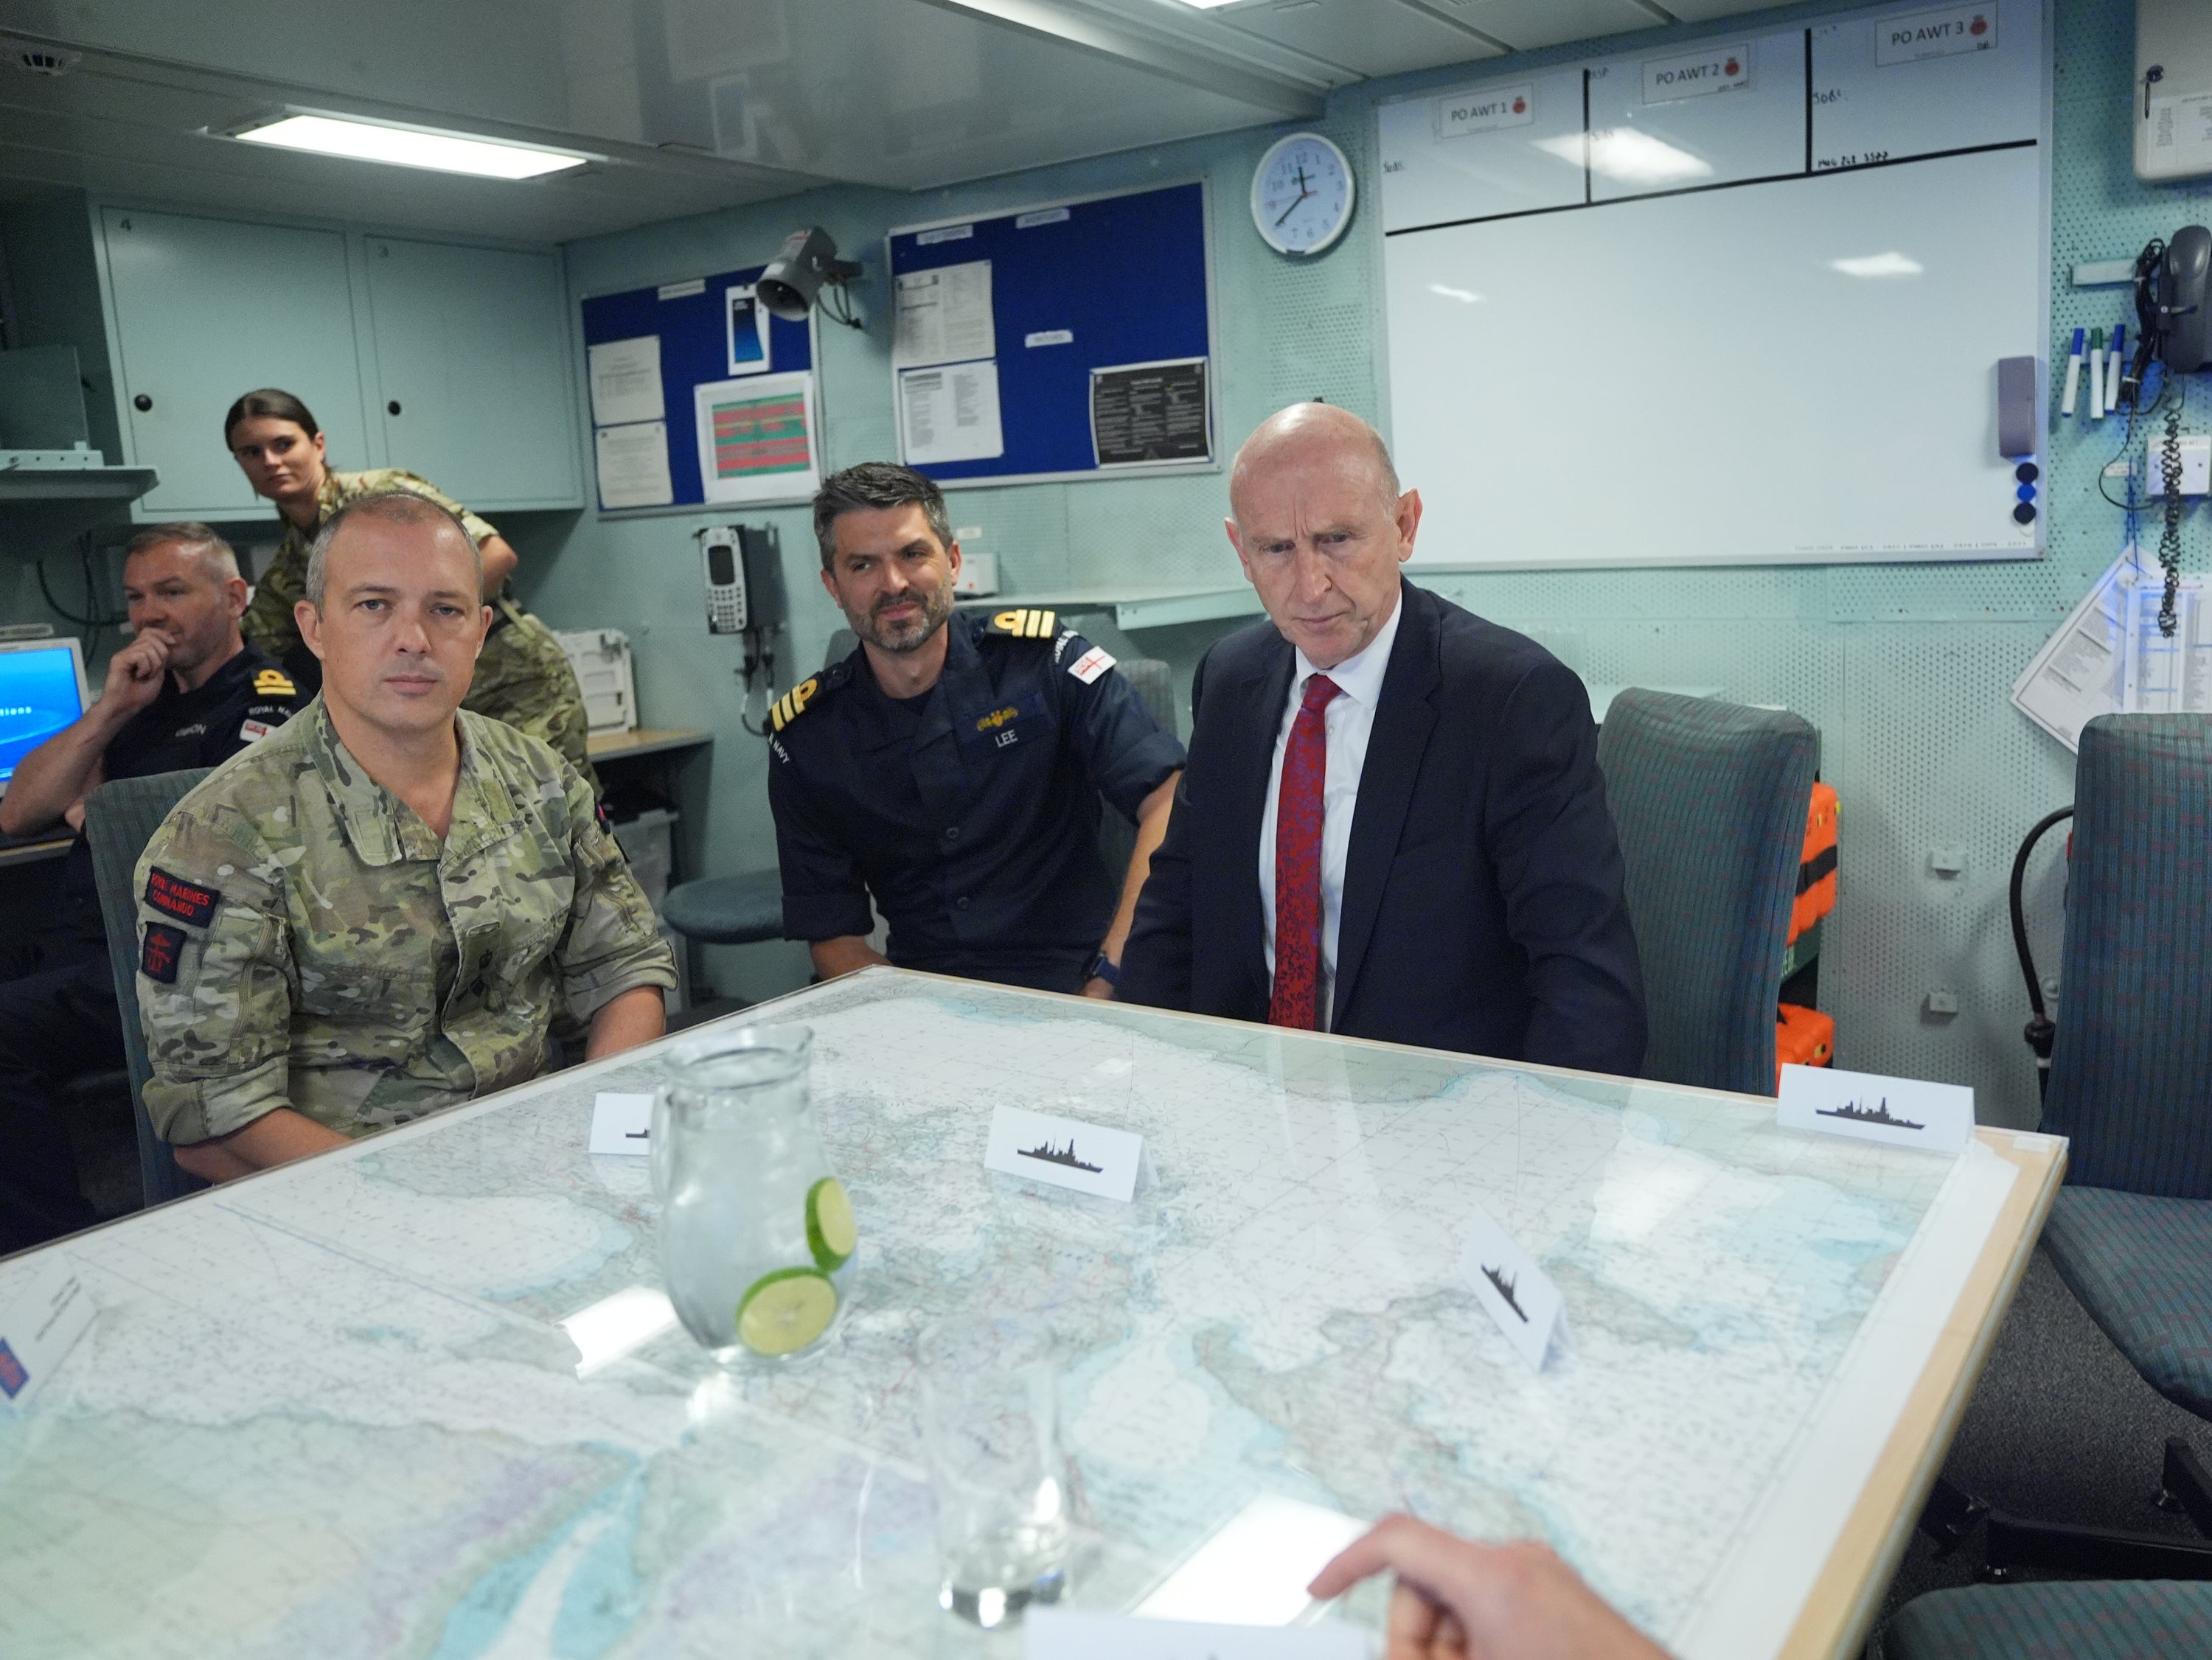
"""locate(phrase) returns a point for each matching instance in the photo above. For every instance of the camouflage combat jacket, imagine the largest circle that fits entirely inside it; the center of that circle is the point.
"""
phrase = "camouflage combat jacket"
(304, 941)
(522, 676)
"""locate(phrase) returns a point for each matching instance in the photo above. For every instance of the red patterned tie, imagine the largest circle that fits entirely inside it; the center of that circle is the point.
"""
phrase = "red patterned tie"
(1296, 999)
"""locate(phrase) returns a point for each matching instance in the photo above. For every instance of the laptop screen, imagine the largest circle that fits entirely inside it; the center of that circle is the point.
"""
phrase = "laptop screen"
(41, 691)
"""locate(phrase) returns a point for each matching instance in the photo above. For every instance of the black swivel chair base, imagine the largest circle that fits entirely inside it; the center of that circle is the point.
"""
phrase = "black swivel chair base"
(2015, 1543)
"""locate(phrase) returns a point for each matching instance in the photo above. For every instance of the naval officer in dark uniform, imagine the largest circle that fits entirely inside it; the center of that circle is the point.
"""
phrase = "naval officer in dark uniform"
(187, 690)
(953, 768)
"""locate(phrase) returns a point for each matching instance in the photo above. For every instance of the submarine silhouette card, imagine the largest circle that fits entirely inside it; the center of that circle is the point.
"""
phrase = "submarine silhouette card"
(1066, 1153)
(1901, 1112)
(1519, 1295)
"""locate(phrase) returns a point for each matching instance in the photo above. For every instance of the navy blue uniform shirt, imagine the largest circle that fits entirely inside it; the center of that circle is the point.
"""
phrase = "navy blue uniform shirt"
(971, 812)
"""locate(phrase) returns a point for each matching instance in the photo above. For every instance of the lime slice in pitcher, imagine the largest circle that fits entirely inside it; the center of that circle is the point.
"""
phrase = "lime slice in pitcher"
(784, 1311)
(830, 1234)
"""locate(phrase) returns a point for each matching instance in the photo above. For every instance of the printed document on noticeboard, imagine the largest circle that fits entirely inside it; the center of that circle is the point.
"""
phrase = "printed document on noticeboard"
(944, 316)
(756, 438)
(950, 412)
(2076, 676)
(634, 465)
(626, 381)
(2163, 674)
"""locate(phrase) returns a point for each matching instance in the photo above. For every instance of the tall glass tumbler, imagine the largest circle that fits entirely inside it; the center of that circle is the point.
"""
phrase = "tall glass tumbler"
(990, 1392)
(757, 1233)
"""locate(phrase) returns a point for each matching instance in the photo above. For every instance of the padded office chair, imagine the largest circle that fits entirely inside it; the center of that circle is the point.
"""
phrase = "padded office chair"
(120, 818)
(1709, 800)
(1154, 683)
(2122, 1619)
(2131, 1087)
(747, 908)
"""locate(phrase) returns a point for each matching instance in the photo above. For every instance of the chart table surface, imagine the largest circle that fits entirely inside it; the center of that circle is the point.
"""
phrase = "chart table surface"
(335, 1409)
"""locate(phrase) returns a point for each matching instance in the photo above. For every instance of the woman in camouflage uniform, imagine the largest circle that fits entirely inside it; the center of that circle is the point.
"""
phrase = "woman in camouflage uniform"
(522, 677)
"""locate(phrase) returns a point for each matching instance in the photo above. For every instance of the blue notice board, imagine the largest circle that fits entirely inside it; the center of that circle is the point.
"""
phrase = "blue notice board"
(1118, 284)
(691, 320)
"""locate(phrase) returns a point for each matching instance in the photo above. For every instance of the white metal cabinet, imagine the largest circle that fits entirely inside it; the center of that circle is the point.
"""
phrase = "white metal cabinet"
(474, 385)
(204, 309)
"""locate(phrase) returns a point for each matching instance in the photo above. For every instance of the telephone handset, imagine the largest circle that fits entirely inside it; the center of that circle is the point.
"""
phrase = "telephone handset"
(2173, 310)
(742, 567)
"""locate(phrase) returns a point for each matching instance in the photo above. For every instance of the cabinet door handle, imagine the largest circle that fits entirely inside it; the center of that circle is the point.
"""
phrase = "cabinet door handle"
(393, 408)
(142, 403)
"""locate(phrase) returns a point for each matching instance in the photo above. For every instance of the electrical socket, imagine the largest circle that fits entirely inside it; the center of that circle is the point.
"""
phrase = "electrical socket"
(2195, 465)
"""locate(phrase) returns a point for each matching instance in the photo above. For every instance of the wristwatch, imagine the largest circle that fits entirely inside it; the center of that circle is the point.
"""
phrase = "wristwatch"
(1103, 967)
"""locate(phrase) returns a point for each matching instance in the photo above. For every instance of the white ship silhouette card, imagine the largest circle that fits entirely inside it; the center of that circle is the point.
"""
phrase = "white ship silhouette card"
(1065, 1152)
(1052, 1633)
(621, 1123)
(1902, 1112)
(1519, 1295)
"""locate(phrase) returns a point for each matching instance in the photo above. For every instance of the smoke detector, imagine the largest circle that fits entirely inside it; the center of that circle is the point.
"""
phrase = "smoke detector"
(38, 59)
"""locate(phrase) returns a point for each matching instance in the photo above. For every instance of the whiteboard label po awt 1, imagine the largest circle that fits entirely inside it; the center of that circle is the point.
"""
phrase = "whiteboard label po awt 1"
(1698, 74)
(1934, 34)
(1486, 110)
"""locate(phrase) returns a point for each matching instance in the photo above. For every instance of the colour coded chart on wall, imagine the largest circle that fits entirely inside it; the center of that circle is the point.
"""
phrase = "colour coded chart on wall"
(700, 397)
(1067, 340)
(1737, 302)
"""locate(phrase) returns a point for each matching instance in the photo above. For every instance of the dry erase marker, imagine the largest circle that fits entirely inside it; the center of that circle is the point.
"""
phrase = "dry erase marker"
(2073, 374)
(2112, 370)
(2097, 375)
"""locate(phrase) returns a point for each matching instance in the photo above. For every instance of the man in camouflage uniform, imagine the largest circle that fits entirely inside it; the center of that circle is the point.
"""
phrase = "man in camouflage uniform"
(523, 677)
(384, 908)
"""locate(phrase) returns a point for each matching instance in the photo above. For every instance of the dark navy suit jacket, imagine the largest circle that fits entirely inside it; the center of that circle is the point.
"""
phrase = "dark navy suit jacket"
(1482, 893)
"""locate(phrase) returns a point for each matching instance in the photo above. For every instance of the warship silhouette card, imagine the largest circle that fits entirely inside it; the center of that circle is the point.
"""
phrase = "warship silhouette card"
(1519, 1295)
(621, 1123)
(1065, 1153)
(1901, 1112)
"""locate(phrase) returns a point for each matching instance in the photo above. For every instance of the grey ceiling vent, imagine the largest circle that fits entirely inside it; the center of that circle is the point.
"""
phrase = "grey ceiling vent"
(38, 59)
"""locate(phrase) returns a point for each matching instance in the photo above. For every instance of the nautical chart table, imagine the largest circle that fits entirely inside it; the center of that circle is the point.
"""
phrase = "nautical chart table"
(413, 1397)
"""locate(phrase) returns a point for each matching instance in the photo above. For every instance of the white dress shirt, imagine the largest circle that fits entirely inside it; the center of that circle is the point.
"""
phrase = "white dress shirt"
(1347, 720)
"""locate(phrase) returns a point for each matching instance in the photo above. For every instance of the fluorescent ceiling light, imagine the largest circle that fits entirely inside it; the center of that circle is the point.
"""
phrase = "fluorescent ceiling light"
(1629, 157)
(1208, 5)
(1465, 296)
(1891, 263)
(410, 147)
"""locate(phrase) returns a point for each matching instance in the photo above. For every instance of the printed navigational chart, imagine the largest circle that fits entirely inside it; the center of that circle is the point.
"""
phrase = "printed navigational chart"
(1874, 88)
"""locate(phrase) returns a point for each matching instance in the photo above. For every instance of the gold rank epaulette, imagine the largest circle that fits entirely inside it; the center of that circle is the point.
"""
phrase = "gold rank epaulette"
(275, 683)
(1026, 624)
(786, 709)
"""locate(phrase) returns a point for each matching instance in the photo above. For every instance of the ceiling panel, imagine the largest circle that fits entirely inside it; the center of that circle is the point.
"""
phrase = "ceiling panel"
(1705, 11)
(1526, 24)
(132, 137)
(1174, 20)
(1372, 37)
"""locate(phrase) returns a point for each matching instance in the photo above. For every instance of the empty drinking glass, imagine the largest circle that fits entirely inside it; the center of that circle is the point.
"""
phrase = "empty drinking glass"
(756, 1235)
(990, 1404)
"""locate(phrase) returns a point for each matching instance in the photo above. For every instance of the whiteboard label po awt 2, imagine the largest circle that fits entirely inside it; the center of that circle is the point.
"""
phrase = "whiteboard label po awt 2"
(1698, 74)
(1486, 110)
(1934, 34)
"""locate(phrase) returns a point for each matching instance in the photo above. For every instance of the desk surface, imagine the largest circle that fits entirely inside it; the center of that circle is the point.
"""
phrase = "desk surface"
(334, 1409)
(30, 852)
(645, 740)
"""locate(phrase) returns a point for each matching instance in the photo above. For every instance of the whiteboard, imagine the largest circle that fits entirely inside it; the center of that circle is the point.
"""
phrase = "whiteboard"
(1737, 302)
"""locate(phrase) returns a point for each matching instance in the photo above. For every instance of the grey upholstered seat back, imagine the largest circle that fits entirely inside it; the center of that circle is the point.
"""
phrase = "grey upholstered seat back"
(119, 819)
(1154, 683)
(1709, 800)
(2131, 1074)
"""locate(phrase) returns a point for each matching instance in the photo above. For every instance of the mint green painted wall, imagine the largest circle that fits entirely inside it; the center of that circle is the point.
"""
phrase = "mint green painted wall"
(1904, 669)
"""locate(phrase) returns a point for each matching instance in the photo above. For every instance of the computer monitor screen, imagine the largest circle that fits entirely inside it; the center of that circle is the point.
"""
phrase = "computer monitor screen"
(41, 691)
